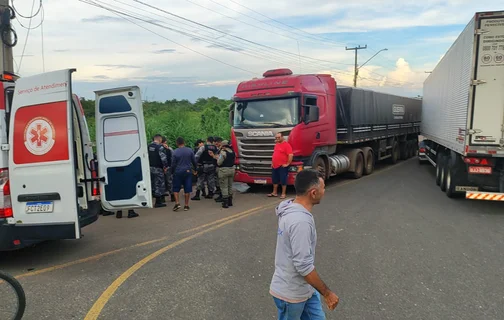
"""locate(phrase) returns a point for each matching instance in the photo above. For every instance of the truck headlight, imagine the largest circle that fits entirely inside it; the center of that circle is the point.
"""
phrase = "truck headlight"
(295, 168)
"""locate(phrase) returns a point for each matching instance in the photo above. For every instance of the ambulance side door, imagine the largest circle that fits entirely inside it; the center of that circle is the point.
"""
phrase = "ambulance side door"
(121, 148)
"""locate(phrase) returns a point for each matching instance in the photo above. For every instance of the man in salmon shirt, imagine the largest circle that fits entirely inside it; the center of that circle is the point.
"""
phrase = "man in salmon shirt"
(282, 158)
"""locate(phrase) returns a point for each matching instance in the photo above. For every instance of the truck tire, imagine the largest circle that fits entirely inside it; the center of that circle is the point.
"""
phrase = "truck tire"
(320, 166)
(455, 172)
(369, 168)
(438, 168)
(359, 166)
(450, 185)
(444, 164)
(403, 150)
(395, 153)
(411, 149)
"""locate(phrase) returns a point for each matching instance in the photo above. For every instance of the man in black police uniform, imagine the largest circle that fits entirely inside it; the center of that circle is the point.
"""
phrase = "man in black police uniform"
(208, 169)
(158, 167)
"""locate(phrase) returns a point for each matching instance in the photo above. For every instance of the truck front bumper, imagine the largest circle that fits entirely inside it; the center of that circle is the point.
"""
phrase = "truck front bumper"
(249, 179)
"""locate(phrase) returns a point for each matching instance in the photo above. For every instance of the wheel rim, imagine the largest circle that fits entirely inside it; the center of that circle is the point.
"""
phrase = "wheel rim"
(448, 180)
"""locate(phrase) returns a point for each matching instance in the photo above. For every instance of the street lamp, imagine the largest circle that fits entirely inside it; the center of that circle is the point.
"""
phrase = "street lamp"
(357, 69)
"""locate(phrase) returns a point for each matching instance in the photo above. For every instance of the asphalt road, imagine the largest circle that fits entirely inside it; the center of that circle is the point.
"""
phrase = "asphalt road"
(391, 245)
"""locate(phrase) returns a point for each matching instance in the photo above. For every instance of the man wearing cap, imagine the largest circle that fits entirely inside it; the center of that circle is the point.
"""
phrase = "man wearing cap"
(226, 171)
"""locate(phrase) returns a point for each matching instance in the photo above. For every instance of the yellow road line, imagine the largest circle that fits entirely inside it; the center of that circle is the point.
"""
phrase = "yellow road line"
(88, 259)
(227, 218)
(142, 244)
(98, 306)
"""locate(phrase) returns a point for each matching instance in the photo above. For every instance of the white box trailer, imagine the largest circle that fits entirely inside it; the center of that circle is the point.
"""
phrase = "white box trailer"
(463, 112)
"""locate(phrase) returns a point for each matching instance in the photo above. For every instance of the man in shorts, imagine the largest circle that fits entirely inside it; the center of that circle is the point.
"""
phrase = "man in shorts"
(282, 158)
(183, 163)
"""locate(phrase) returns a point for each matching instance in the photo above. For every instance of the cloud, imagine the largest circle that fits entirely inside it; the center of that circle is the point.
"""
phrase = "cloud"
(116, 51)
(164, 51)
(230, 48)
(118, 66)
(218, 83)
(102, 19)
(101, 77)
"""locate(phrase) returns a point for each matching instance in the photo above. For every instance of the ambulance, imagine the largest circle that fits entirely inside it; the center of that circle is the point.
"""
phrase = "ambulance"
(51, 183)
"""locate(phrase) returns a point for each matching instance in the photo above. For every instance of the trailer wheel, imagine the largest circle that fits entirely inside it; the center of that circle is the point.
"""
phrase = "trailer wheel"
(404, 150)
(359, 166)
(369, 163)
(450, 186)
(320, 166)
(444, 165)
(438, 168)
(411, 149)
(454, 176)
(395, 153)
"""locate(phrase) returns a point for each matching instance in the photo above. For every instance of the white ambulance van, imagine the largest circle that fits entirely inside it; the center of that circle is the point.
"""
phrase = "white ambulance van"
(51, 184)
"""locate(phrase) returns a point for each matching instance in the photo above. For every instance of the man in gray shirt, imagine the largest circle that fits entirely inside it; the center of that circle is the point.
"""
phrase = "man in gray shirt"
(296, 285)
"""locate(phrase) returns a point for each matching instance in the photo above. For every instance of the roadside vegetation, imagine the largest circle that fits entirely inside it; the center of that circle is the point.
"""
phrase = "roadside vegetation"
(174, 118)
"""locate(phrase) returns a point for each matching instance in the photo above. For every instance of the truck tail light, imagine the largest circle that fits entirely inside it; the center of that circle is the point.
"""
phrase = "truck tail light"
(5, 202)
(478, 161)
(421, 150)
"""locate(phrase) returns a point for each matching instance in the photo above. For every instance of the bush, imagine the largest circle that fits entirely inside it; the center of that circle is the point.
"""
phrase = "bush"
(174, 118)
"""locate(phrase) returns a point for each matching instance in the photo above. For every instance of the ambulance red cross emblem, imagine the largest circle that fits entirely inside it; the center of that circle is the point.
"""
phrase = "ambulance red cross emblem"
(39, 136)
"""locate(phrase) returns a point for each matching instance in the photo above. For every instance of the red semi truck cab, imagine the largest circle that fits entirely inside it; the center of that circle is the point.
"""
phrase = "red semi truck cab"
(301, 107)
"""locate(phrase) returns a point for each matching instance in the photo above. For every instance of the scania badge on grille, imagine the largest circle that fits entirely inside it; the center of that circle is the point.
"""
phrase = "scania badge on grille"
(260, 133)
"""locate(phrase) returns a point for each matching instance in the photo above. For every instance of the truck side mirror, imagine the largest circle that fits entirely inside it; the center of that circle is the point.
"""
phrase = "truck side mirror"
(311, 114)
(231, 114)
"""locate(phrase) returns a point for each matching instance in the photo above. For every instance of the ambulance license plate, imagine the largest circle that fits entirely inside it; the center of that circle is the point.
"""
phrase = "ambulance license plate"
(260, 181)
(39, 207)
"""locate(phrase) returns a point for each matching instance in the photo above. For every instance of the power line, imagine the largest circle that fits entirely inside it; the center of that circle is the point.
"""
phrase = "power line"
(42, 38)
(318, 38)
(94, 3)
(186, 47)
(231, 46)
(229, 34)
(27, 35)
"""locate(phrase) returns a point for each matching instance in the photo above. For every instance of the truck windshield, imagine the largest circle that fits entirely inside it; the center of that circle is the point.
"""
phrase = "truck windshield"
(267, 113)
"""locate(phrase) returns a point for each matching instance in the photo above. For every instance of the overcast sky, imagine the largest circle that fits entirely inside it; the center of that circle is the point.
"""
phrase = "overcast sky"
(186, 49)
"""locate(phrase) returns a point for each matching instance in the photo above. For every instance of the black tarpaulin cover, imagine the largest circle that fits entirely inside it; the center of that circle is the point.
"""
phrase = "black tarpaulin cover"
(359, 107)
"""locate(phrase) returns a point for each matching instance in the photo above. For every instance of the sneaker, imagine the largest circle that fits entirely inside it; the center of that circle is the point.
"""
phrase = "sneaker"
(186, 208)
(177, 207)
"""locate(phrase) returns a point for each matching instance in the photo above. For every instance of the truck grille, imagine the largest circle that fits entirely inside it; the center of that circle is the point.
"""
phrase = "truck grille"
(255, 155)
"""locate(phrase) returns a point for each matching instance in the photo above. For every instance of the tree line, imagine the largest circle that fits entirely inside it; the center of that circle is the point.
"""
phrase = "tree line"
(173, 118)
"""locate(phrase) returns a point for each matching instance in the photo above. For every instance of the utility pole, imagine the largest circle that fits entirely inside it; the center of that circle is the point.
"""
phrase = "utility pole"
(356, 70)
(6, 33)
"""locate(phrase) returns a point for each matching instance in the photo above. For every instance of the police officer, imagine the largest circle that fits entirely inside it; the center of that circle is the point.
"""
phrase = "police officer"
(218, 144)
(226, 171)
(158, 167)
(168, 175)
(199, 171)
(209, 168)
